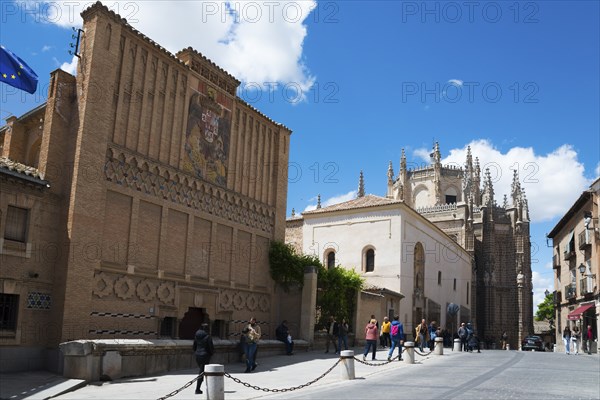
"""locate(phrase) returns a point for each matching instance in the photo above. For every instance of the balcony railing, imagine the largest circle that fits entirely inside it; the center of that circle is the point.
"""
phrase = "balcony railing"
(569, 254)
(584, 240)
(586, 286)
(570, 292)
(555, 261)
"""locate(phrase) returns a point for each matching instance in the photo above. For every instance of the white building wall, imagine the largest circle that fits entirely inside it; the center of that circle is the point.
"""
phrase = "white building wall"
(393, 234)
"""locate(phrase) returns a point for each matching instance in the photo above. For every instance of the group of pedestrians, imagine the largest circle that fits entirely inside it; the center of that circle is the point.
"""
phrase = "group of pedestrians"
(572, 338)
(469, 340)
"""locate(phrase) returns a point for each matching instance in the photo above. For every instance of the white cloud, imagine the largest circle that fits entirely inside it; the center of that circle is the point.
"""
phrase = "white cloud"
(597, 170)
(456, 82)
(423, 154)
(70, 67)
(538, 175)
(46, 48)
(332, 200)
(257, 42)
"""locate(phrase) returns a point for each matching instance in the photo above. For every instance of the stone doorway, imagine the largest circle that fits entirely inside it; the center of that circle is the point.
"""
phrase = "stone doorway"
(193, 318)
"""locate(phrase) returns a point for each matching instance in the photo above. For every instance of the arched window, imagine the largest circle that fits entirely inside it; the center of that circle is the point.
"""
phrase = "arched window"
(419, 268)
(370, 260)
(331, 259)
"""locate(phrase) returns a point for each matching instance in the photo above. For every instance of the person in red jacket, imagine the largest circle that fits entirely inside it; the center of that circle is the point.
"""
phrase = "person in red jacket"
(371, 338)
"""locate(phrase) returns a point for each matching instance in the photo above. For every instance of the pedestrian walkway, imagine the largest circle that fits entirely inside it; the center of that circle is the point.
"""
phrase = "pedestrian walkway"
(276, 372)
(35, 385)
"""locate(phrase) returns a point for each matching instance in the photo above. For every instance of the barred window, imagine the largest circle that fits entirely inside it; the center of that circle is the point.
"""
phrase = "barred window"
(16, 224)
(331, 259)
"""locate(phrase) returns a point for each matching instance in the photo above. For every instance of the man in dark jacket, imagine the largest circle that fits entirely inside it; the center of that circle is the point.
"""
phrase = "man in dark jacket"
(282, 333)
(203, 349)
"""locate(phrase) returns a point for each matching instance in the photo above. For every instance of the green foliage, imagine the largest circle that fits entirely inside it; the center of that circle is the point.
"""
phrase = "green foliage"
(287, 267)
(546, 309)
(337, 289)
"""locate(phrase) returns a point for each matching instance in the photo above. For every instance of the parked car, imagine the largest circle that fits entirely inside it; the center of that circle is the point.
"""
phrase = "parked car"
(532, 342)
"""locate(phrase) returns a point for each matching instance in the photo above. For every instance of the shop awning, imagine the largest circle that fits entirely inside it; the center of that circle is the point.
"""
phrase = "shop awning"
(576, 313)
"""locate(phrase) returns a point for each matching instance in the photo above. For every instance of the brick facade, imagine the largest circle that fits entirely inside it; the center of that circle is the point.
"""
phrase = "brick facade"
(159, 188)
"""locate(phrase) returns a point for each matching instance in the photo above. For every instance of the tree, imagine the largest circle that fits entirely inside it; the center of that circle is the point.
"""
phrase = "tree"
(546, 309)
(337, 288)
(287, 267)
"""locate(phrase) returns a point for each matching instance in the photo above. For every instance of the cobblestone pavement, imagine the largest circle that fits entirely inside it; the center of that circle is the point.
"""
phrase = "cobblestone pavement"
(486, 375)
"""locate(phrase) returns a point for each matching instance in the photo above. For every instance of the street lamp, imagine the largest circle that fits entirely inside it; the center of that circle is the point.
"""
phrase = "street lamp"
(546, 292)
(582, 269)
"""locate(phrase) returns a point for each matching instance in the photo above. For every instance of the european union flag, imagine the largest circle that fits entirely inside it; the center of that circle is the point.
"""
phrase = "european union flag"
(16, 72)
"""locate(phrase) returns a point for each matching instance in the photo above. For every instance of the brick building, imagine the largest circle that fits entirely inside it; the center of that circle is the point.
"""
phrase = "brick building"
(138, 201)
(576, 265)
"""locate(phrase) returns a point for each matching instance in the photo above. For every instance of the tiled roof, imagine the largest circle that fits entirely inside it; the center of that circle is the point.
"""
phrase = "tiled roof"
(16, 168)
(366, 201)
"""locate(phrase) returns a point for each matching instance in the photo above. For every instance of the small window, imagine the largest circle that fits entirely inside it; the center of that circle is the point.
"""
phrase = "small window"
(467, 292)
(440, 278)
(330, 260)
(9, 307)
(16, 224)
(450, 199)
(455, 284)
(167, 327)
(370, 260)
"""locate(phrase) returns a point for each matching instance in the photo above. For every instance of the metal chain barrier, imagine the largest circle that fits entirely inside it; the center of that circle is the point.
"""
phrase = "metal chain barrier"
(174, 392)
(379, 364)
(423, 354)
(284, 389)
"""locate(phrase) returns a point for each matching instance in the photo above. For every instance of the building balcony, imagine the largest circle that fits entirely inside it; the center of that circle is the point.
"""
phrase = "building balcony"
(584, 240)
(570, 291)
(555, 261)
(568, 255)
(586, 286)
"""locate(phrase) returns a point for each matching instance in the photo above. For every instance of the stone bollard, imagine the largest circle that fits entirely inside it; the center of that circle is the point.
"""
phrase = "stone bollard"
(215, 381)
(438, 349)
(409, 348)
(457, 345)
(507, 346)
(347, 365)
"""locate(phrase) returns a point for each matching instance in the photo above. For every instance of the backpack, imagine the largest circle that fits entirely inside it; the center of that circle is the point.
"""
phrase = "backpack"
(395, 331)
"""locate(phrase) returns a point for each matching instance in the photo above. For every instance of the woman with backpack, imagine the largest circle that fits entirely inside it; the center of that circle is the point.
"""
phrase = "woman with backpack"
(397, 336)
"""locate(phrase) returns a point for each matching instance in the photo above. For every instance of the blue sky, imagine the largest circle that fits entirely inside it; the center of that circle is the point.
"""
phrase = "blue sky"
(358, 81)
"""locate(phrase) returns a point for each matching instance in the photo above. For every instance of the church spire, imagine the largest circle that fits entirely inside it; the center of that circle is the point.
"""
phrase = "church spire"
(390, 183)
(515, 188)
(361, 185)
(488, 190)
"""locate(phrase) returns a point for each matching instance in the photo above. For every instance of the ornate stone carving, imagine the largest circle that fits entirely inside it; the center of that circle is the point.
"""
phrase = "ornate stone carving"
(166, 292)
(124, 287)
(103, 285)
(146, 290)
(165, 183)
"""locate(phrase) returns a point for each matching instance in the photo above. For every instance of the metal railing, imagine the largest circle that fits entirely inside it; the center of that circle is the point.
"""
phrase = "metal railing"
(570, 292)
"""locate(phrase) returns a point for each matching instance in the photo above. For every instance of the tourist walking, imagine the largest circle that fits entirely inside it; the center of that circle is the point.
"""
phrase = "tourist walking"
(462, 335)
(253, 334)
(371, 338)
(575, 336)
(203, 350)
(422, 334)
(504, 340)
(332, 334)
(397, 338)
(589, 338)
(567, 339)
(432, 330)
(385, 333)
(342, 335)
